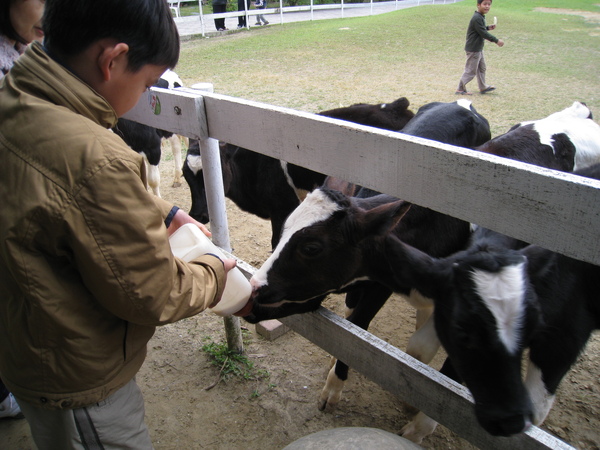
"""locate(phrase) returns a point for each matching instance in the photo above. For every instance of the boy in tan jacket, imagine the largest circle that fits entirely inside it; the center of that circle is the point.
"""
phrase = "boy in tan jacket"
(87, 271)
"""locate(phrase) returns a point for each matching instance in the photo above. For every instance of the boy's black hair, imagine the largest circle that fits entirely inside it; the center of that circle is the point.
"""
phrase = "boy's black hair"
(147, 26)
(6, 27)
(479, 2)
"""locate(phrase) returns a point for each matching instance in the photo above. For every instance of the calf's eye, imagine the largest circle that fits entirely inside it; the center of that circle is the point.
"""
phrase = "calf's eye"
(310, 249)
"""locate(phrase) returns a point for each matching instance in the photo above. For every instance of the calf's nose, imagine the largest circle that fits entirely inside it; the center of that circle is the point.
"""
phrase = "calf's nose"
(507, 425)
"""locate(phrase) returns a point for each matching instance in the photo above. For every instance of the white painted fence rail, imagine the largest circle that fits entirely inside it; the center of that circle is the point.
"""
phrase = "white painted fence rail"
(277, 10)
(556, 210)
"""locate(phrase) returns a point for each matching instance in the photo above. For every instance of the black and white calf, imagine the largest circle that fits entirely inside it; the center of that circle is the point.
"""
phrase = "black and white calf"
(268, 187)
(457, 123)
(147, 141)
(340, 223)
(566, 140)
(331, 245)
(256, 183)
(491, 304)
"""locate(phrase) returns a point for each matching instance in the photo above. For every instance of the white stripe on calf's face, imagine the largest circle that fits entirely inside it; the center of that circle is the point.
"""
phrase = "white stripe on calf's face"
(317, 207)
(503, 293)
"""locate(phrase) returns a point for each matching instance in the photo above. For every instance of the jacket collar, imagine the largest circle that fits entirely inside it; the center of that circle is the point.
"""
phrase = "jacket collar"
(48, 79)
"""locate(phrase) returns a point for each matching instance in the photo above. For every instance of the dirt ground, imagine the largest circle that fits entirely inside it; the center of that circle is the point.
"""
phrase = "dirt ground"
(279, 404)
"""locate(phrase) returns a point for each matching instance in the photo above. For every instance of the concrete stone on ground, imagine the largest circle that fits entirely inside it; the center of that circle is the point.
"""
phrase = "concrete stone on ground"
(271, 329)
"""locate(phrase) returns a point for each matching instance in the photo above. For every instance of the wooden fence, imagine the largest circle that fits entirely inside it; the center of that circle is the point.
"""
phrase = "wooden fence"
(556, 210)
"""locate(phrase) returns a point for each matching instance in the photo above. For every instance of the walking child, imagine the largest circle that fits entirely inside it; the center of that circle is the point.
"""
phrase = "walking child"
(477, 34)
(260, 18)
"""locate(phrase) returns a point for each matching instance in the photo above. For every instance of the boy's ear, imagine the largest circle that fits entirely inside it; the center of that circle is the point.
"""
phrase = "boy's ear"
(113, 57)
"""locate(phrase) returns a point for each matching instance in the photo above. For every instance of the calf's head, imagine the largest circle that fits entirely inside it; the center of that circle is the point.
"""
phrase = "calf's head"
(485, 314)
(324, 248)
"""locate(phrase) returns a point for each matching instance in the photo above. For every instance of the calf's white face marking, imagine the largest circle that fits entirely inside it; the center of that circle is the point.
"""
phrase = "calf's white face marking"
(316, 208)
(503, 294)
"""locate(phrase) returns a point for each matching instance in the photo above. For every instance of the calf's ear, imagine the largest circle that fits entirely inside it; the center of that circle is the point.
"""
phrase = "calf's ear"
(381, 220)
(540, 261)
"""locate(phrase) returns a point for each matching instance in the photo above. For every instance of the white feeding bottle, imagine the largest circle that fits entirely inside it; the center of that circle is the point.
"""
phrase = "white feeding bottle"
(188, 243)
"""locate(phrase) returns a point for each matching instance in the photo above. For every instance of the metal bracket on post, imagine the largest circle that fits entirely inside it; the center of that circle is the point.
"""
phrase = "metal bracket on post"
(215, 196)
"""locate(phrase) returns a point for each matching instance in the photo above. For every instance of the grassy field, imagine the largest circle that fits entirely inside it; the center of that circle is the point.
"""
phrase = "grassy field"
(551, 58)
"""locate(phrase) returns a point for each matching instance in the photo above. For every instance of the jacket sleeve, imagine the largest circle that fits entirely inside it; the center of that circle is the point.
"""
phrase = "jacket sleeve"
(481, 28)
(120, 246)
(163, 206)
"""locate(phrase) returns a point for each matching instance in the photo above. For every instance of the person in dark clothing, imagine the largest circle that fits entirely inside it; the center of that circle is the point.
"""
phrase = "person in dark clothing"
(219, 6)
(477, 34)
(243, 5)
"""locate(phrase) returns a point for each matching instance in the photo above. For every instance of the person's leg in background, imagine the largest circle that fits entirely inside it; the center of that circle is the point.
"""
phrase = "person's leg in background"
(219, 23)
(471, 66)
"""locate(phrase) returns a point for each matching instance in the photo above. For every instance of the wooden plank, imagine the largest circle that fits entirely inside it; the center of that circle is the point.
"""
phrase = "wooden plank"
(179, 111)
(555, 210)
(414, 382)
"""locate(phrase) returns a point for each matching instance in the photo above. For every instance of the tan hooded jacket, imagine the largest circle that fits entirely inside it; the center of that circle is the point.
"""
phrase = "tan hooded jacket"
(86, 271)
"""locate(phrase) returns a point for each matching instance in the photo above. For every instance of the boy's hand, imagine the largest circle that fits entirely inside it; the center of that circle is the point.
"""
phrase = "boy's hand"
(500, 43)
(491, 27)
(181, 218)
(228, 264)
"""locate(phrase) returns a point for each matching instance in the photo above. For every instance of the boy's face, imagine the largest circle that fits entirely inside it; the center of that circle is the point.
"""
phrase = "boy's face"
(129, 87)
(484, 6)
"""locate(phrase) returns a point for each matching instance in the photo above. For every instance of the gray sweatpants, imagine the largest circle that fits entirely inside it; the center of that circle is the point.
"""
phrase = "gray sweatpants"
(474, 67)
(116, 422)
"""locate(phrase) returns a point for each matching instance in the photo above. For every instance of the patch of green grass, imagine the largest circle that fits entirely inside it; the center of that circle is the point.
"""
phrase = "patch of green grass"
(232, 364)
(549, 60)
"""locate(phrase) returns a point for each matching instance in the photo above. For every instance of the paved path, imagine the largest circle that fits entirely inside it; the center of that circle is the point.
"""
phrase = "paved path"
(191, 26)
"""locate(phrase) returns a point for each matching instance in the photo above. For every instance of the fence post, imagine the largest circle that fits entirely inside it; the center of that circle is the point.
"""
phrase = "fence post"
(201, 18)
(213, 182)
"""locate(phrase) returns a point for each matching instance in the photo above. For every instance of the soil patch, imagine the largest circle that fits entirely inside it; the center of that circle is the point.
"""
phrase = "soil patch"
(589, 16)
